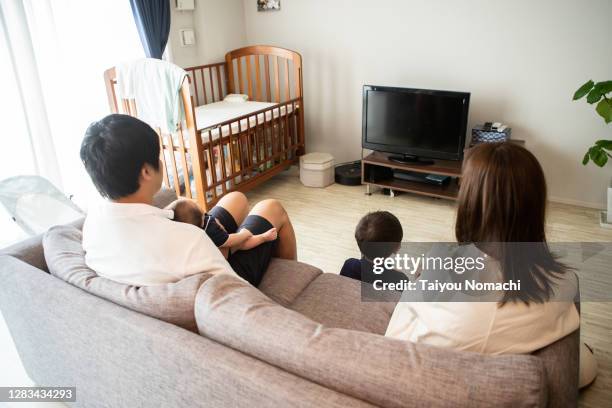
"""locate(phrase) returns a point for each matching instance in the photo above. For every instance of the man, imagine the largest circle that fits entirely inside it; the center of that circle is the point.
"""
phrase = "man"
(128, 240)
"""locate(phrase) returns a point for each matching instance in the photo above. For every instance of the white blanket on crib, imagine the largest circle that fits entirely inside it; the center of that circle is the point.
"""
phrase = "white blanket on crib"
(155, 86)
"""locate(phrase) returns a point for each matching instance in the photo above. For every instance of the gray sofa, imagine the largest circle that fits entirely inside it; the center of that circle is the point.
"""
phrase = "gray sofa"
(304, 338)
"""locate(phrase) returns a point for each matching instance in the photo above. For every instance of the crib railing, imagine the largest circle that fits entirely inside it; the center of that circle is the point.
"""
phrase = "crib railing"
(235, 154)
(265, 73)
(208, 83)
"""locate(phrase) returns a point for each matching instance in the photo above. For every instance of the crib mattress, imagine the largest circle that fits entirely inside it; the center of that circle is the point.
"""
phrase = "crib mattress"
(213, 113)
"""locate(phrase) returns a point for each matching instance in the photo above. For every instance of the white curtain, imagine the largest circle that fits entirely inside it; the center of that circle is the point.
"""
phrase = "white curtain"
(53, 54)
(22, 110)
(57, 51)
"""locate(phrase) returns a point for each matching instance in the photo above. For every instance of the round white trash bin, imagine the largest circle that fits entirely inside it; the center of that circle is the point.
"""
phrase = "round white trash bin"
(317, 169)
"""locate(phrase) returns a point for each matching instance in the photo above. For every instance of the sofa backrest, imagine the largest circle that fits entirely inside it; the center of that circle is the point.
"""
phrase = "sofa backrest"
(382, 371)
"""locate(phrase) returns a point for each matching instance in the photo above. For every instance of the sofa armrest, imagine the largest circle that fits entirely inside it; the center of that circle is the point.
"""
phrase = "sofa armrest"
(29, 251)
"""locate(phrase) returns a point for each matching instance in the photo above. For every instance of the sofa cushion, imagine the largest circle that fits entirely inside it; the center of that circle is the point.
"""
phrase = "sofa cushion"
(172, 302)
(284, 280)
(164, 197)
(380, 370)
(335, 301)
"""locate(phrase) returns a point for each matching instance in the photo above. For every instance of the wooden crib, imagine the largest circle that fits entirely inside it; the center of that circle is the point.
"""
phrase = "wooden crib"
(204, 160)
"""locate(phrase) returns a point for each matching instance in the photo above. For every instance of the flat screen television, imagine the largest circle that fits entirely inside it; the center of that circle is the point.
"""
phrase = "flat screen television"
(415, 124)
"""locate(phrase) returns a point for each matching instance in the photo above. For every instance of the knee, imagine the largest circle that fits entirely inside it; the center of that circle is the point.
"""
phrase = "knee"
(238, 198)
(237, 195)
(272, 205)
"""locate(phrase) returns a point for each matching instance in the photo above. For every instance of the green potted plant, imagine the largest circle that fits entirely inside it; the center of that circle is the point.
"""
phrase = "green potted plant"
(600, 152)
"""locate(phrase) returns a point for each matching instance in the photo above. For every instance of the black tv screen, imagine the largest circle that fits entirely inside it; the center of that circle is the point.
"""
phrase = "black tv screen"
(415, 122)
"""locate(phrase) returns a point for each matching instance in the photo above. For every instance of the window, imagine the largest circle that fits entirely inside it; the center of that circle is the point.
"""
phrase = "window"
(53, 85)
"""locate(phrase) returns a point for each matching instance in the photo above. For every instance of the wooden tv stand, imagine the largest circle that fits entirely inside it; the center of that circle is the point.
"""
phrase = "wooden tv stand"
(378, 162)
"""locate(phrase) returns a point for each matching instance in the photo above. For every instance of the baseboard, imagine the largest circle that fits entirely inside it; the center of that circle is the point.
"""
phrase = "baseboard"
(587, 204)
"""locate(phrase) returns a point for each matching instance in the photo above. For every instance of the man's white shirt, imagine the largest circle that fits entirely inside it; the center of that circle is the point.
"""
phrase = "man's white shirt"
(139, 244)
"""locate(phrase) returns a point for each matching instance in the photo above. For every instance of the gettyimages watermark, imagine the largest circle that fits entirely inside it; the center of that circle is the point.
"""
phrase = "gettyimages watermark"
(486, 272)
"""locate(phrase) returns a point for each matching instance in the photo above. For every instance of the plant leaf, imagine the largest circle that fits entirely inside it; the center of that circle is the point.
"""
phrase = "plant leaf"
(586, 158)
(604, 87)
(593, 96)
(604, 108)
(604, 144)
(598, 156)
(583, 90)
(601, 160)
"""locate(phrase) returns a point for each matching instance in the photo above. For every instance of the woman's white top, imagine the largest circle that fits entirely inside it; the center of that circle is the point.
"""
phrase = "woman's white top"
(486, 327)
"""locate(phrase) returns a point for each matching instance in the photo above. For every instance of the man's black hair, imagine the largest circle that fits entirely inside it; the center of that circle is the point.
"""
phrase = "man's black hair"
(115, 149)
(378, 234)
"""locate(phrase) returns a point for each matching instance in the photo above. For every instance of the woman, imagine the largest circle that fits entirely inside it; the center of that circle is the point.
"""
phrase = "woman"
(502, 200)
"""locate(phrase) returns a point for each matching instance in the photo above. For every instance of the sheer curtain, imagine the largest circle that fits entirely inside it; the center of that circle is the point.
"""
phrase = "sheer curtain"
(54, 53)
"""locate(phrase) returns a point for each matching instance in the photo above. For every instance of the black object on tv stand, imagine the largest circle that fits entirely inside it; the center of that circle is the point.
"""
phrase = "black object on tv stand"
(410, 159)
(377, 170)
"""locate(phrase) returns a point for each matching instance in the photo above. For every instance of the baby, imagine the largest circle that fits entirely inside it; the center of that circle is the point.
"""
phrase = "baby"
(189, 212)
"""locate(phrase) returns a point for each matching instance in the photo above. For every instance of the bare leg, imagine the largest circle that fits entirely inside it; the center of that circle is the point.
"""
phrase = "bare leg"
(236, 204)
(273, 211)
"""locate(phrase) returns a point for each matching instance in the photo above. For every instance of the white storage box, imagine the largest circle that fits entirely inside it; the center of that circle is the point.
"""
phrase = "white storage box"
(317, 169)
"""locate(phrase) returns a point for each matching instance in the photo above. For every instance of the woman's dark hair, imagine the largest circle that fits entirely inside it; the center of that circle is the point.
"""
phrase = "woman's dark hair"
(502, 201)
(381, 228)
(114, 150)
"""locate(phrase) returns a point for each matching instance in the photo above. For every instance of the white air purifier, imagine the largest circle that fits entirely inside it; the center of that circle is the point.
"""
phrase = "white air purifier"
(317, 169)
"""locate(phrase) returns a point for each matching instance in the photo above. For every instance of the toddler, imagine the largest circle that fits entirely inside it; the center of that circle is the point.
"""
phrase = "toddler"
(378, 234)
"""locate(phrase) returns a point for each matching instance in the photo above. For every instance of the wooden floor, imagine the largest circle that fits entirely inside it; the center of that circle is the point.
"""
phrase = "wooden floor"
(324, 222)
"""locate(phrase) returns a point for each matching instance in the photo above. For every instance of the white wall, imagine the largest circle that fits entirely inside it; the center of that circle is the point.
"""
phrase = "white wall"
(520, 59)
(218, 25)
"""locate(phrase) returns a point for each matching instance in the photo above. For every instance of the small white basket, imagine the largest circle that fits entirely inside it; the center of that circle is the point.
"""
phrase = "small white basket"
(317, 169)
